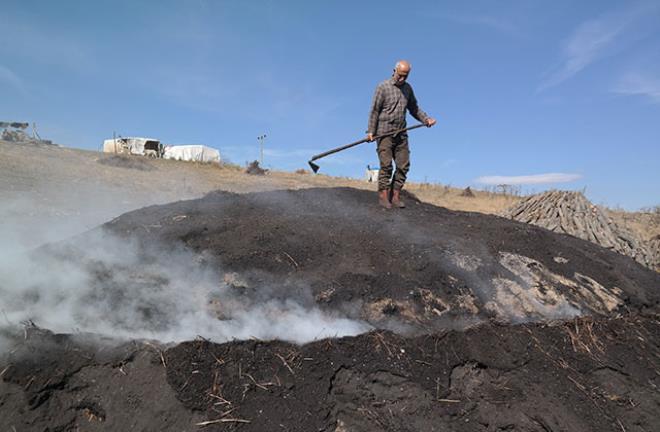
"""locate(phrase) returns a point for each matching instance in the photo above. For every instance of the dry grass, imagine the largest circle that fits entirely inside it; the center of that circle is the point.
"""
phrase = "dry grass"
(646, 223)
(451, 198)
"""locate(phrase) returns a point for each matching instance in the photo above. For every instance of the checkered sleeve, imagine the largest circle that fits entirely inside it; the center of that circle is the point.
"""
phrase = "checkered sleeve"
(376, 106)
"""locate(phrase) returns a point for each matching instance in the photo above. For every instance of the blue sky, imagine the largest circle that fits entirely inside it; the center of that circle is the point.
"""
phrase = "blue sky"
(559, 94)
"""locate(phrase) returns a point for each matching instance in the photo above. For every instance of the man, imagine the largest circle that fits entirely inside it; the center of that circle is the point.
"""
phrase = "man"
(388, 113)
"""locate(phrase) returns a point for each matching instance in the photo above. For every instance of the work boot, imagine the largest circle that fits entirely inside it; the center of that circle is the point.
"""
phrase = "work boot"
(396, 199)
(384, 199)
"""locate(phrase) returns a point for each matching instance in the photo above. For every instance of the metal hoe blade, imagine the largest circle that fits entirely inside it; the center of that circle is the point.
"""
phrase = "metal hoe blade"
(314, 167)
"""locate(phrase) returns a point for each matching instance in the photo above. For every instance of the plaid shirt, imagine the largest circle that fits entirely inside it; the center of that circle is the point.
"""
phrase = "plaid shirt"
(388, 108)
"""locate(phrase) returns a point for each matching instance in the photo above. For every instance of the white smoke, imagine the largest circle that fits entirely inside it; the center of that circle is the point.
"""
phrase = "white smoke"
(4, 344)
(50, 214)
(117, 288)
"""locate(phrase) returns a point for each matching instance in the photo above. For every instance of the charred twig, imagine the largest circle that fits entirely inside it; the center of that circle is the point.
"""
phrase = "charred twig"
(256, 383)
(27, 386)
(327, 344)
(215, 387)
(577, 384)
(589, 395)
(286, 364)
(219, 361)
(382, 342)
(621, 425)
(246, 389)
(224, 413)
(160, 352)
(222, 400)
(594, 340)
(185, 384)
(291, 258)
(558, 361)
(222, 420)
(4, 370)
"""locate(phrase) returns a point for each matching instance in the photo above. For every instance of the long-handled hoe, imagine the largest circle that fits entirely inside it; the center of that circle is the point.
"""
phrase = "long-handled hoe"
(315, 167)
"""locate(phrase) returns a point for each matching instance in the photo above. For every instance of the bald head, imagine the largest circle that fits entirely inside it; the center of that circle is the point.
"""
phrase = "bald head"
(401, 71)
(402, 66)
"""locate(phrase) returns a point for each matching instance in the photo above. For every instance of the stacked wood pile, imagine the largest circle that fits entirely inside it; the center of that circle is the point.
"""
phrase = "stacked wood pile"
(654, 246)
(572, 213)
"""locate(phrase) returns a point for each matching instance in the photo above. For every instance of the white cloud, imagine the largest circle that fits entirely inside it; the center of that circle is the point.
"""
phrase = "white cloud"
(638, 84)
(529, 179)
(598, 38)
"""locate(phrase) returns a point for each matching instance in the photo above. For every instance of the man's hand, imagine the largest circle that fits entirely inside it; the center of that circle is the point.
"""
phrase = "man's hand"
(370, 137)
(430, 122)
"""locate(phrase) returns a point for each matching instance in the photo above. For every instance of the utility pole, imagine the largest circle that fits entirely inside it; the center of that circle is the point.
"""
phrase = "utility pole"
(261, 139)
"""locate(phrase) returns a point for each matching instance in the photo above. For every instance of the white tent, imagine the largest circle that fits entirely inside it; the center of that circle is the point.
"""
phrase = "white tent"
(132, 145)
(197, 153)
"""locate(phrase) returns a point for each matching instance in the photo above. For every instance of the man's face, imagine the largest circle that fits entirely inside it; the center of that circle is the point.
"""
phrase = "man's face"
(401, 75)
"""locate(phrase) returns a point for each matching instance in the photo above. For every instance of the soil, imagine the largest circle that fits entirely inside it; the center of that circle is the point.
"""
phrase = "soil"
(581, 375)
(480, 324)
(572, 376)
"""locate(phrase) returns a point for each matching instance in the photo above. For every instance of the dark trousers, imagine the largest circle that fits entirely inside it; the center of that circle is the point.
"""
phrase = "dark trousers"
(393, 147)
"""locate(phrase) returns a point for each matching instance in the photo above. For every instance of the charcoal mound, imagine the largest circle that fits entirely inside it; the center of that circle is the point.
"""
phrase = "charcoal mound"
(416, 270)
(478, 323)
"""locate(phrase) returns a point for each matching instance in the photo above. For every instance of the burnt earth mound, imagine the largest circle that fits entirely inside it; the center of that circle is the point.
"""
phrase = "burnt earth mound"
(478, 323)
(412, 271)
(586, 374)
